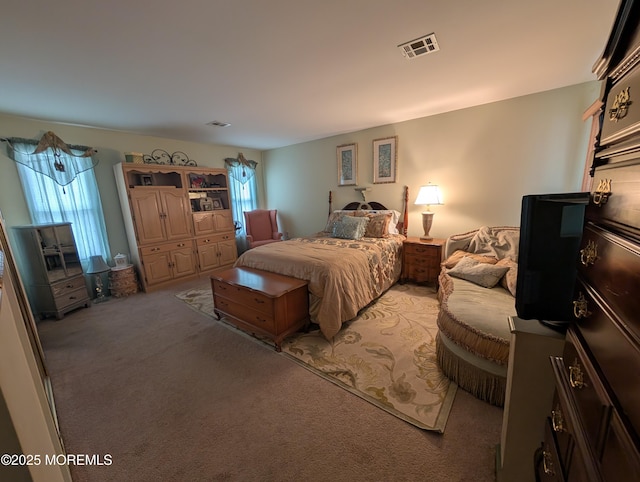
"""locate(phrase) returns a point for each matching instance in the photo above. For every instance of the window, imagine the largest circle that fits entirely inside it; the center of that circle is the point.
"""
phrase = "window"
(244, 195)
(78, 203)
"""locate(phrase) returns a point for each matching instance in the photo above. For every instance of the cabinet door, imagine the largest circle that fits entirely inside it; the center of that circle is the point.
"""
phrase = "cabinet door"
(227, 251)
(223, 220)
(183, 262)
(157, 267)
(147, 208)
(208, 256)
(175, 215)
(203, 223)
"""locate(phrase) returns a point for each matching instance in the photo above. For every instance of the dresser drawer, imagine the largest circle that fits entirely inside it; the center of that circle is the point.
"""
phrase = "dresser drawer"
(422, 250)
(251, 299)
(549, 466)
(583, 385)
(573, 445)
(620, 209)
(622, 113)
(214, 238)
(259, 319)
(616, 351)
(166, 247)
(71, 297)
(612, 265)
(65, 287)
(620, 457)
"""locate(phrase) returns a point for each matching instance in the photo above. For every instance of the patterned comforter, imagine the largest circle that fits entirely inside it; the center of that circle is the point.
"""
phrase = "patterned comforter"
(344, 275)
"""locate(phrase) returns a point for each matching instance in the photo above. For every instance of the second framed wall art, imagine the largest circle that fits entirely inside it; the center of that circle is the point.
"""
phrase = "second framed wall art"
(385, 162)
(347, 155)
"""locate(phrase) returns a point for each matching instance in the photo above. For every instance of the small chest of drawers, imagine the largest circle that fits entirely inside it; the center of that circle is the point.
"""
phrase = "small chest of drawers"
(421, 260)
(261, 302)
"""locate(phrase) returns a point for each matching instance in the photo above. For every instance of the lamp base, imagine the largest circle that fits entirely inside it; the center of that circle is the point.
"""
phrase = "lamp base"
(427, 220)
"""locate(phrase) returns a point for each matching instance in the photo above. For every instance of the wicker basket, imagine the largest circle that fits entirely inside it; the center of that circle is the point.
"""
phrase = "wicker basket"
(123, 281)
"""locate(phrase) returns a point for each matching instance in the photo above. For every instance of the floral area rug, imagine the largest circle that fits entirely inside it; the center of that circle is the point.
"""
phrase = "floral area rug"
(386, 355)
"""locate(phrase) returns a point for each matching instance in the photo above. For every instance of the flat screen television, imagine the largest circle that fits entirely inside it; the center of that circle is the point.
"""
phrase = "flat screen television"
(550, 235)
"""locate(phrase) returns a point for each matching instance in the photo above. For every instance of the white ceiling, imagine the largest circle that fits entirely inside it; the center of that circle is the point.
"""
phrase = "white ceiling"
(284, 71)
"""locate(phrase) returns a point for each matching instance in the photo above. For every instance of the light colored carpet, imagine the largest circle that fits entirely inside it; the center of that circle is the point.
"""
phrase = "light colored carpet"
(385, 356)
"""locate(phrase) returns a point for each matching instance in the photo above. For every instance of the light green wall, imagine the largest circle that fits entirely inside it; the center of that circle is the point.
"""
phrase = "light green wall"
(111, 146)
(484, 158)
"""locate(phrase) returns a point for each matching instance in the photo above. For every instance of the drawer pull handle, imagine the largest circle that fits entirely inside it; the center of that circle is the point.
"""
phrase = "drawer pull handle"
(589, 253)
(547, 464)
(576, 376)
(259, 301)
(557, 420)
(181, 245)
(580, 307)
(620, 106)
(155, 249)
(602, 192)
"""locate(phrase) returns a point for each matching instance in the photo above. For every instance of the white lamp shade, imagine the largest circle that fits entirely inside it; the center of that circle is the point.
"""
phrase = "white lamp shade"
(429, 194)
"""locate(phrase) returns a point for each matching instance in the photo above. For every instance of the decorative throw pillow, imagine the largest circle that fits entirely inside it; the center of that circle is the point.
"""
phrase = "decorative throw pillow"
(334, 217)
(457, 255)
(378, 225)
(508, 281)
(350, 227)
(482, 274)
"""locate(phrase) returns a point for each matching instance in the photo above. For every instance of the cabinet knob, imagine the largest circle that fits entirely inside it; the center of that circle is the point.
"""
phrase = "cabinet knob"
(602, 192)
(547, 464)
(589, 253)
(557, 420)
(576, 376)
(581, 307)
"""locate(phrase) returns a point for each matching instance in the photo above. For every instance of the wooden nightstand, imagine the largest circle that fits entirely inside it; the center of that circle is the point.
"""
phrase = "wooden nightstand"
(421, 260)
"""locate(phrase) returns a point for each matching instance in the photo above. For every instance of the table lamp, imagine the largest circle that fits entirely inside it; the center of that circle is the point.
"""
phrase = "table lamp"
(97, 267)
(427, 196)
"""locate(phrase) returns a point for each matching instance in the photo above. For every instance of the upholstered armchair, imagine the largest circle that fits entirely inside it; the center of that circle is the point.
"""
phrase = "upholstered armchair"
(262, 227)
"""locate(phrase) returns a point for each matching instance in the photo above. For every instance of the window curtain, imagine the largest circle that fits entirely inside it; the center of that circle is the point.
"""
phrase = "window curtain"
(78, 202)
(244, 194)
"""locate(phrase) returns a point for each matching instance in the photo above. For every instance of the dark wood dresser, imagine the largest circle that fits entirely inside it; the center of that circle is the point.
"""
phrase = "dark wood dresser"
(593, 429)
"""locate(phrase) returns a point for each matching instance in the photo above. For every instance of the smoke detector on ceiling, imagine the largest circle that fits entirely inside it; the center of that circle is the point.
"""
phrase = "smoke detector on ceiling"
(218, 124)
(420, 46)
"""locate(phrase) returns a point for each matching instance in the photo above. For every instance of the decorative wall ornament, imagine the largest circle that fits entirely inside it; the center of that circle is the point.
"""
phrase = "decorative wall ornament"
(53, 157)
(160, 156)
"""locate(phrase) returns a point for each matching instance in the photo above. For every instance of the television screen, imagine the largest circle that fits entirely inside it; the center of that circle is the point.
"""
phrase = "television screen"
(550, 235)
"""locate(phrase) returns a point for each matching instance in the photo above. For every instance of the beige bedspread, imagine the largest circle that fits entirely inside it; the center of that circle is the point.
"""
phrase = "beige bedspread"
(344, 275)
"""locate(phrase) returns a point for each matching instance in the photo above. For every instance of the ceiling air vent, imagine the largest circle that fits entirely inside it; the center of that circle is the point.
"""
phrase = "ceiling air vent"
(218, 124)
(420, 46)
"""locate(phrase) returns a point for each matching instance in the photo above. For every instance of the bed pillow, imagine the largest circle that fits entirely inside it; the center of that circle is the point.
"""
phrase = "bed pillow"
(350, 227)
(482, 274)
(509, 280)
(458, 254)
(393, 223)
(378, 225)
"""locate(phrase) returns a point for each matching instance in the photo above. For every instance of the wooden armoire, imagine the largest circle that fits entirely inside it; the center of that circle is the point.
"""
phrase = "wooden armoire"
(592, 432)
(178, 220)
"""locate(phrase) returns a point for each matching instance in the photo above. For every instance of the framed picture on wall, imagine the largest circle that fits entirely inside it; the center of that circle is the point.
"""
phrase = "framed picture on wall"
(385, 160)
(347, 155)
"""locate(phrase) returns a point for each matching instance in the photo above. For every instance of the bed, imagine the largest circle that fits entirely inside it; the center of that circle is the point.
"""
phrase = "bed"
(345, 273)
